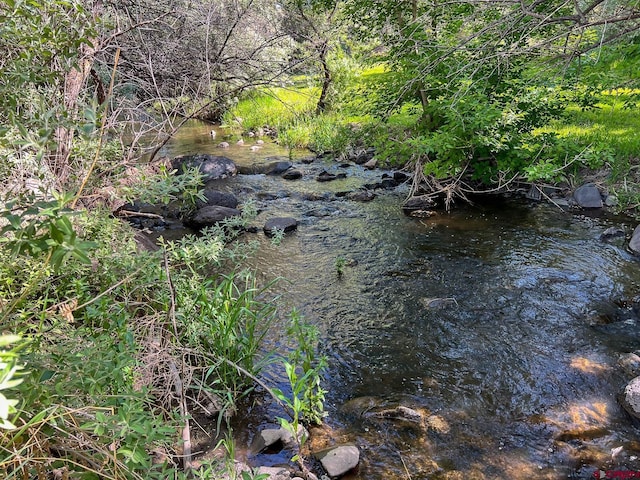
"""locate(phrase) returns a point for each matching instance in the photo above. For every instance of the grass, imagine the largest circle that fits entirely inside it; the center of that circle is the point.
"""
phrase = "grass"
(276, 107)
(609, 124)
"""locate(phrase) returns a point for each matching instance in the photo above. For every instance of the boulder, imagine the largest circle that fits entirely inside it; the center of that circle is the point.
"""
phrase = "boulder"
(211, 215)
(265, 439)
(634, 243)
(216, 197)
(370, 164)
(630, 398)
(339, 460)
(292, 174)
(212, 167)
(588, 196)
(285, 224)
(325, 176)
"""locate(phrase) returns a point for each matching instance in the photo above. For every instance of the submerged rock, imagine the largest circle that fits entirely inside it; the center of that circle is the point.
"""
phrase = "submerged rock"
(212, 167)
(419, 203)
(339, 460)
(588, 196)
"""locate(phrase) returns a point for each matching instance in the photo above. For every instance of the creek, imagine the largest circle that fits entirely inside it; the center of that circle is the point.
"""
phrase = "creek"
(501, 322)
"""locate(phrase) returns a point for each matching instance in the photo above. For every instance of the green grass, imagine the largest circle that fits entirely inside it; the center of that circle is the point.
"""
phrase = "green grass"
(611, 125)
(275, 107)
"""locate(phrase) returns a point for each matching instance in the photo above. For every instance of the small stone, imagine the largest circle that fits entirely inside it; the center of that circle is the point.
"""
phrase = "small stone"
(611, 201)
(339, 460)
(370, 164)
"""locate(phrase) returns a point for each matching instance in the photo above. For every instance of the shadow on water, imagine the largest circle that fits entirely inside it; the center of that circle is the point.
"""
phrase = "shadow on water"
(498, 322)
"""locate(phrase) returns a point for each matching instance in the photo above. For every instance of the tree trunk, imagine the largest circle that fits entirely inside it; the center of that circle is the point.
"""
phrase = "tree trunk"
(326, 81)
(74, 80)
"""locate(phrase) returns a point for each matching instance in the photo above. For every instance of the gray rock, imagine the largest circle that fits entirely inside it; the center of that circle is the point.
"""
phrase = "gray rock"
(634, 243)
(325, 176)
(630, 398)
(588, 196)
(216, 197)
(275, 473)
(265, 439)
(287, 436)
(271, 168)
(286, 224)
(611, 201)
(212, 167)
(419, 203)
(292, 174)
(339, 460)
(630, 364)
(211, 215)
(361, 196)
(370, 164)
(612, 233)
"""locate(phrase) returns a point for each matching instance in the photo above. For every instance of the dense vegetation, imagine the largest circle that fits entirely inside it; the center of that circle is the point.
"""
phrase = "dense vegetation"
(106, 348)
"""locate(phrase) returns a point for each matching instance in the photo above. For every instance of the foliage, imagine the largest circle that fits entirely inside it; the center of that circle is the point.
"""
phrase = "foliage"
(10, 371)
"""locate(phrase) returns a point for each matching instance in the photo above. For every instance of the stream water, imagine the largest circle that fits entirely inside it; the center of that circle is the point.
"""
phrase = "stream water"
(501, 323)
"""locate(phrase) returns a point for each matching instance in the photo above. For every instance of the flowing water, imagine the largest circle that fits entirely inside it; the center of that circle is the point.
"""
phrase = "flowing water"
(500, 323)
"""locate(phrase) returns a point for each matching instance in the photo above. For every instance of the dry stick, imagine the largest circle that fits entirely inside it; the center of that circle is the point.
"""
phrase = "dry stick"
(102, 128)
(177, 381)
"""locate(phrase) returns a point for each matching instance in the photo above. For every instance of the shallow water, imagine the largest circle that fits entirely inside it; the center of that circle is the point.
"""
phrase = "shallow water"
(502, 323)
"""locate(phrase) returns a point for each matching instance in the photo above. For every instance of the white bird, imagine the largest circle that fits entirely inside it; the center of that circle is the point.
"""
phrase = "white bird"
(223, 145)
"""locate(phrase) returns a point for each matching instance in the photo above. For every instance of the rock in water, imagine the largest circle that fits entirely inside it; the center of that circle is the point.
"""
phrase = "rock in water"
(339, 460)
(285, 224)
(211, 215)
(588, 196)
(630, 398)
(215, 197)
(634, 243)
(292, 174)
(211, 167)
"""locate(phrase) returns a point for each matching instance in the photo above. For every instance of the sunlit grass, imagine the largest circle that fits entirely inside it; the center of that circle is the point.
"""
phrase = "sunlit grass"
(275, 107)
(610, 125)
